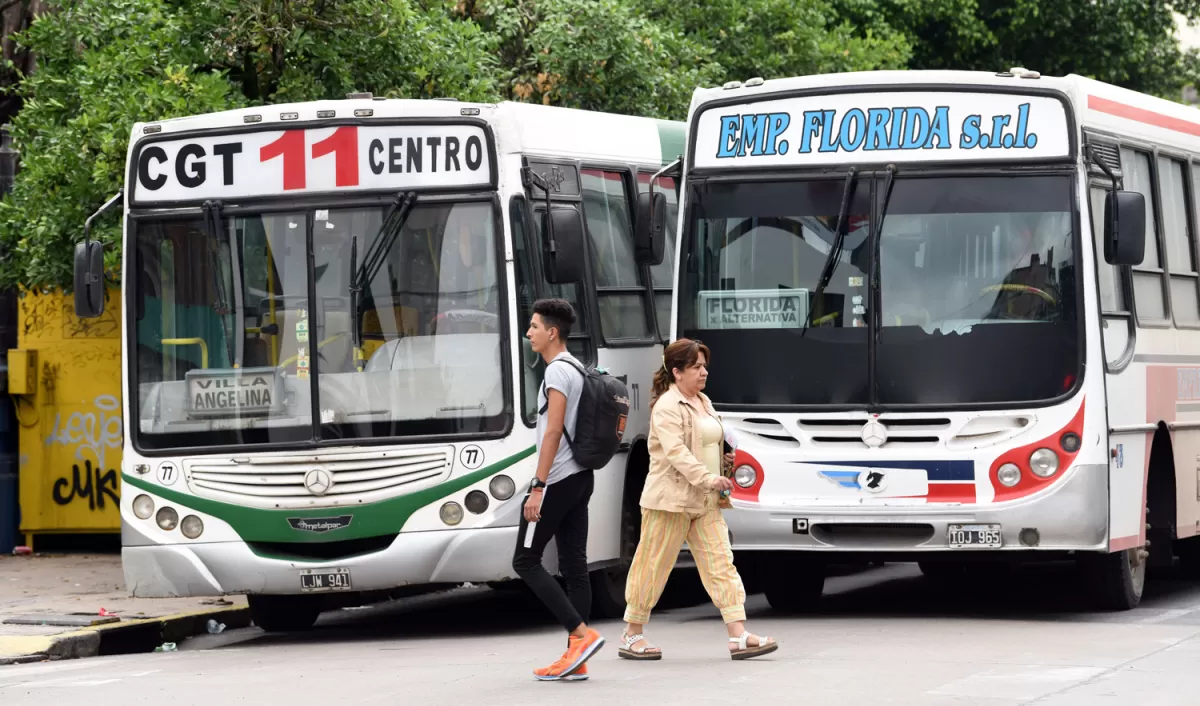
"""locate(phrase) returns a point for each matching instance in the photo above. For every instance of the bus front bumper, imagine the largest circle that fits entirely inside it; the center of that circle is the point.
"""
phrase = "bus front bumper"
(220, 568)
(1070, 515)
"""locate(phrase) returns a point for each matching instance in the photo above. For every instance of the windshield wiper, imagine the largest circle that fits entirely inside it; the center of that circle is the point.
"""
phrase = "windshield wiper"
(874, 238)
(212, 227)
(373, 259)
(835, 249)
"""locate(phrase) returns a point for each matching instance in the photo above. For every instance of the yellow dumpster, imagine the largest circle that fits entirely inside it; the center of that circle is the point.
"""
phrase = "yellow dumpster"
(65, 380)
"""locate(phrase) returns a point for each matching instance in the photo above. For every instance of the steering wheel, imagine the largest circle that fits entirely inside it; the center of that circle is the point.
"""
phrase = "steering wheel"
(1022, 288)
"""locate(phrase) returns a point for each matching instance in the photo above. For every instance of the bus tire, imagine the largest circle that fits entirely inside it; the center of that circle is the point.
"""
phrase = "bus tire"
(608, 593)
(795, 587)
(608, 584)
(283, 613)
(1115, 581)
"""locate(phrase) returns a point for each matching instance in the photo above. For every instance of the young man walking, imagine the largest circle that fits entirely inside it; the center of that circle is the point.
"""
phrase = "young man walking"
(557, 504)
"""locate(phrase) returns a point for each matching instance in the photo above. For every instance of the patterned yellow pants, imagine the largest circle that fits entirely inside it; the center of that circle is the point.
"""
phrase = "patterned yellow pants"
(662, 537)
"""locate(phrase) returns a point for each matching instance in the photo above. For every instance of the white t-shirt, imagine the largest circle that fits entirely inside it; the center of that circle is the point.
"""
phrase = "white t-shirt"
(561, 375)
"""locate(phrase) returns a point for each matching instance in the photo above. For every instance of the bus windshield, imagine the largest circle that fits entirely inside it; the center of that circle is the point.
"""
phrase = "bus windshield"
(241, 338)
(977, 293)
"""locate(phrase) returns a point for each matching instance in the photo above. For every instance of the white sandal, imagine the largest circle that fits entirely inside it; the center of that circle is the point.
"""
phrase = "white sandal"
(766, 645)
(628, 651)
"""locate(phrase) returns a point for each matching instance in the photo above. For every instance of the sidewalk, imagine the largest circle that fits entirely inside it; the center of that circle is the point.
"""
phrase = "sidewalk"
(57, 601)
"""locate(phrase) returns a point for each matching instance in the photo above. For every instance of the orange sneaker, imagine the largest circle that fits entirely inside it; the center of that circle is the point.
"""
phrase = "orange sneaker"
(554, 672)
(580, 674)
(582, 649)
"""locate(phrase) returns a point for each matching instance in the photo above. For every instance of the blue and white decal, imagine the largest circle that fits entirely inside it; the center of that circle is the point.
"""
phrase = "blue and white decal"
(878, 127)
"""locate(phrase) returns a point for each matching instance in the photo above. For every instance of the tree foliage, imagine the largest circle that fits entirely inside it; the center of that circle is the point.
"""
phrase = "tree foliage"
(105, 64)
(101, 65)
(593, 54)
(1131, 43)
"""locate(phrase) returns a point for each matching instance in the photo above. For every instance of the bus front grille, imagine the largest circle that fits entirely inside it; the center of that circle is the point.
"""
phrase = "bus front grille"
(333, 479)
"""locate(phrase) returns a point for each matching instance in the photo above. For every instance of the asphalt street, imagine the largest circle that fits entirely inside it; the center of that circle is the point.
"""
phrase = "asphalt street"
(888, 635)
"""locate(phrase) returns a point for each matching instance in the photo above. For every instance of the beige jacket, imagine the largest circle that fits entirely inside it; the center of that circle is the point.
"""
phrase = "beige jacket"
(678, 479)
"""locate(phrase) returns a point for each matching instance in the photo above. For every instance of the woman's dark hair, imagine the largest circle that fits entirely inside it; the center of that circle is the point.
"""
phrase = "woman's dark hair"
(681, 355)
(556, 314)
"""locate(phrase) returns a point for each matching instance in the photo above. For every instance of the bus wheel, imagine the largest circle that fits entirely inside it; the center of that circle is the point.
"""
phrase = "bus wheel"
(1115, 581)
(794, 587)
(608, 593)
(283, 613)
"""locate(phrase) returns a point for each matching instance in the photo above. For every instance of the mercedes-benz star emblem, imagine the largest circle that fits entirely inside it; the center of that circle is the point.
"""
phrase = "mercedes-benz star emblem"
(874, 434)
(318, 481)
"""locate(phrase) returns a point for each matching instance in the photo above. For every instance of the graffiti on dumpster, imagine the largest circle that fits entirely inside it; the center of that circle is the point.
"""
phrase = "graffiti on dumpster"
(91, 484)
(91, 434)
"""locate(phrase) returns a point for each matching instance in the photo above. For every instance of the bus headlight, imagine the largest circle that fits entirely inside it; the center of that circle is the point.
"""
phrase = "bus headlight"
(502, 487)
(477, 502)
(192, 527)
(745, 476)
(167, 518)
(1043, 463)
(143, 507)
(1009, 475)
(451, 513)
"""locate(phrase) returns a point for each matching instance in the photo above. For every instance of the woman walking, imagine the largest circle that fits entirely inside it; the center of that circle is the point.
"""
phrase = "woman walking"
(681, 501)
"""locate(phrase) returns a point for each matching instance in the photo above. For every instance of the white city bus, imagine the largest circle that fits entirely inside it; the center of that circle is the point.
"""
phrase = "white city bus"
(932, 339)
(329, 392)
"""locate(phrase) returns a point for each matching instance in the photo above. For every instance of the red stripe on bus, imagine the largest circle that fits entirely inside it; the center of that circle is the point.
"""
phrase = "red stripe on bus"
(1142, 115)
(948, 493)
(1123, 543)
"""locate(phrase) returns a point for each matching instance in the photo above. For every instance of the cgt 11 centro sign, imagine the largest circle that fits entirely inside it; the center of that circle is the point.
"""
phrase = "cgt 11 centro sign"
(314, 160)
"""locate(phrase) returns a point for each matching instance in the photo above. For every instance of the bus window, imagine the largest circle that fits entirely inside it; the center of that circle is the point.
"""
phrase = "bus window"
(429, 318)
(1180, 242)
(1147, 279)
(619, 286)
(663, 274)
(1112, 293)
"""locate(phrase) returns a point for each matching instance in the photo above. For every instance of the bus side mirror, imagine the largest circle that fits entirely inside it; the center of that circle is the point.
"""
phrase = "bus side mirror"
(1124, 228)
(89, 279)
(649, 239)
(562, 246)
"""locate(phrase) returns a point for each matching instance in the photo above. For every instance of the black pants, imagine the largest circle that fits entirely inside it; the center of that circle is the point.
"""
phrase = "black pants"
(565, 518)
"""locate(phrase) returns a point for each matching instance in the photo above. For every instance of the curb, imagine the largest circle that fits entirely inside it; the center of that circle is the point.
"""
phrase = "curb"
(127, 637)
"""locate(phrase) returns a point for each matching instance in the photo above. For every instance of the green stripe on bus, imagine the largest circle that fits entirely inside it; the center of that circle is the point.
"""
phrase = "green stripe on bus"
(671, 140)
(371, 520)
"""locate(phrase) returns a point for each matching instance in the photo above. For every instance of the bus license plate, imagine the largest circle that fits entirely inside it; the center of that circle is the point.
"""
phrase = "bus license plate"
(324, 580)
(972, 536)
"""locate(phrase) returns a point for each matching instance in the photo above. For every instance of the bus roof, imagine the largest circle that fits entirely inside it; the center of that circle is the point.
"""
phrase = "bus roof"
(519, 127)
